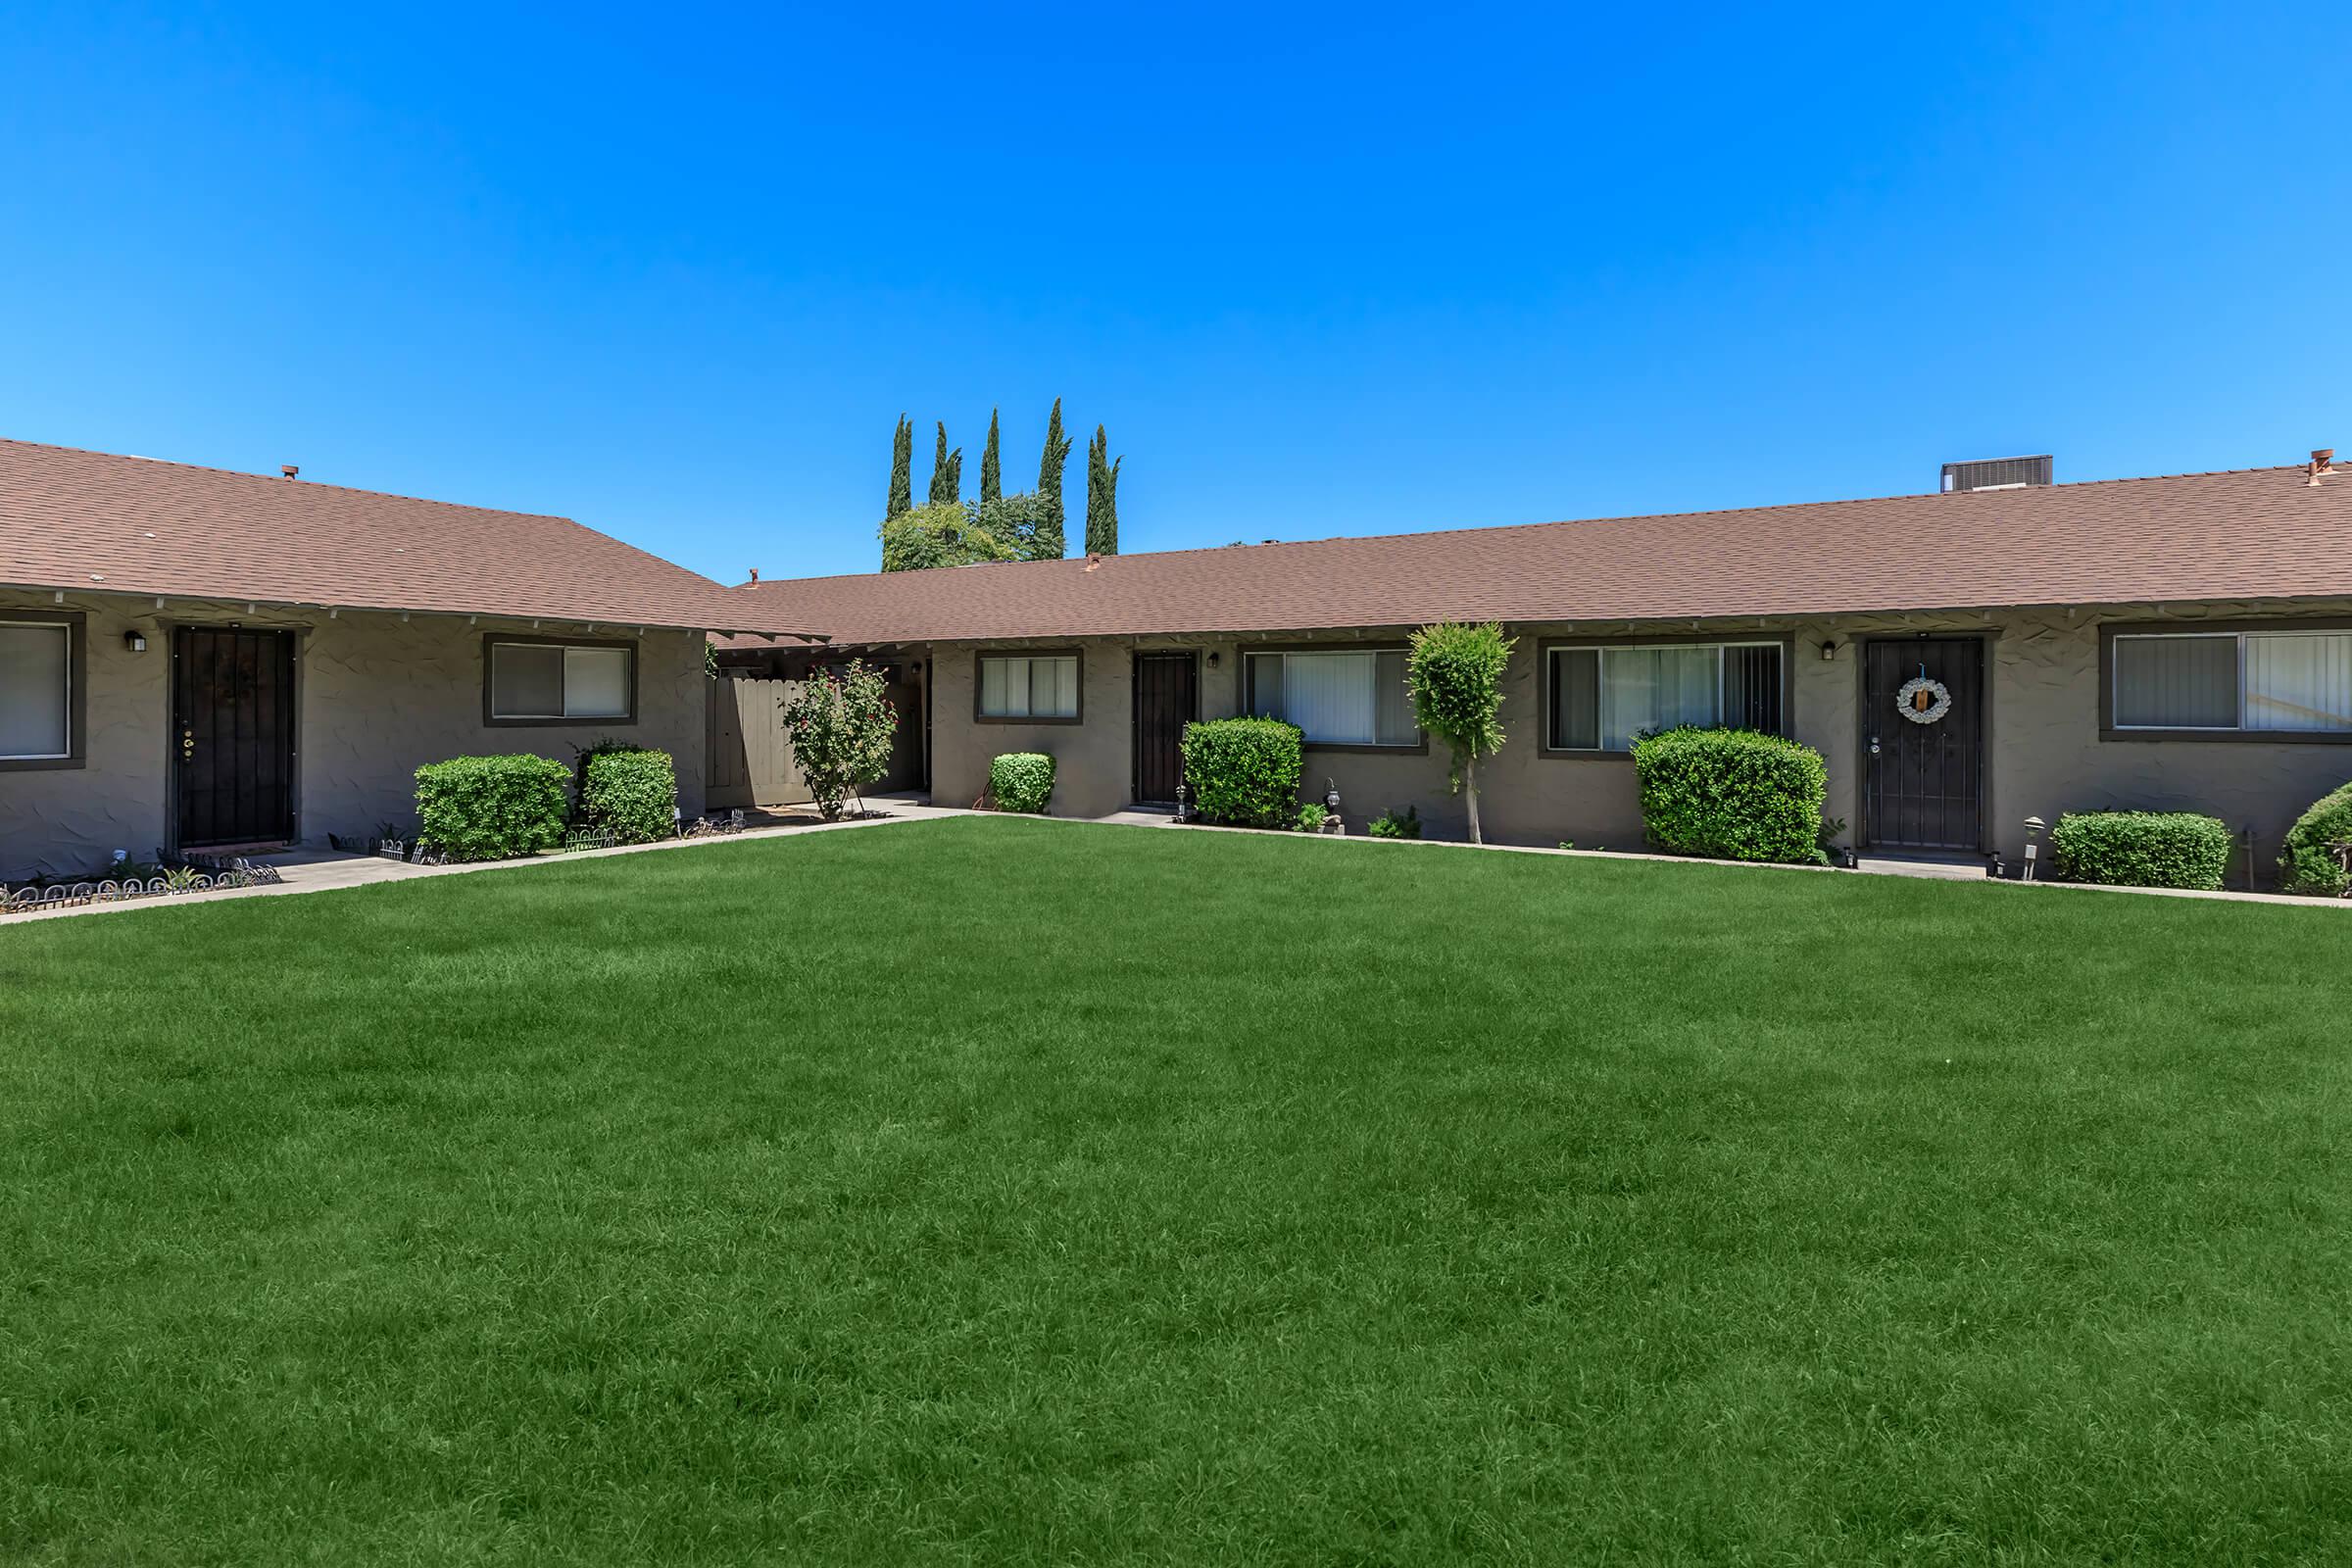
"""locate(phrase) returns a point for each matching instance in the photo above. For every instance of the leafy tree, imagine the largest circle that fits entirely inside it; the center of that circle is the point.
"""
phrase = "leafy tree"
(902, 468)
(1052, 545)
(1018, 522)
(1101, 497)
(840, 724)
(940, 534)
(946, 470)
(991, 472)
(1454, 672)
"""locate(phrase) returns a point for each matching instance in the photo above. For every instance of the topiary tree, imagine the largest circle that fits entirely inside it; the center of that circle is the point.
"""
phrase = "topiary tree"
(942, 534)
(1454, 672)
(841, 724)
(1050, 470)
(2306, 863)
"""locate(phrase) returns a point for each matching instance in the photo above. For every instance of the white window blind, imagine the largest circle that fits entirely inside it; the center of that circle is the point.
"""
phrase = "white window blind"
(1346, 698)
(1600, 699)
(2299, 682)
(547, 680)
(2257, 682)
(36, 698)
(1029, 687)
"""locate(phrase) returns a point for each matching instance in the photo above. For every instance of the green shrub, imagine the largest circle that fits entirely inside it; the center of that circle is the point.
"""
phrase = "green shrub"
(1406, 825)
(1732, 795)
(842, 725)
(1021, 781)
(1245, 770)
(1456, 674)
(2305, 863)
(629, 791)
(492, 807)
(1311, 816)
(2141, 848)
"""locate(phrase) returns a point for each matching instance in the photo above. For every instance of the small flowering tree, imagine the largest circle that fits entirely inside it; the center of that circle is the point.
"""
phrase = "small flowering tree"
(840, 725)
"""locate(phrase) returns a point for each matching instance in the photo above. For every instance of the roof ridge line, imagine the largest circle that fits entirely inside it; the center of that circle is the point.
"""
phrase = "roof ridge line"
(263, 479)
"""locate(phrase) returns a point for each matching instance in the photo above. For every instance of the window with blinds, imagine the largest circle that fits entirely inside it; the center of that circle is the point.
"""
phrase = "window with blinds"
(1031, 686)
(548, 682)
(1346, 697)
(36, 691)
(2263, 682)
(1602, 698)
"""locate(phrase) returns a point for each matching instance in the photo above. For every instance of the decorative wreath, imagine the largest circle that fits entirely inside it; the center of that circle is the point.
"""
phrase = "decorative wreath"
(1923, 700)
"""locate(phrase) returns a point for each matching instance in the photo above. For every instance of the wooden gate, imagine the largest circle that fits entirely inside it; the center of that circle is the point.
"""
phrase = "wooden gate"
(749, 755)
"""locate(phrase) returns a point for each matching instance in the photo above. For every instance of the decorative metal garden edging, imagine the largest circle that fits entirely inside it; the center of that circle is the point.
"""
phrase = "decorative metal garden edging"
(235, 873)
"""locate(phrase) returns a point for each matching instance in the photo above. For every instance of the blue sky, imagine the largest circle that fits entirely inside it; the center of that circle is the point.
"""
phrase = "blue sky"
(1331, 270)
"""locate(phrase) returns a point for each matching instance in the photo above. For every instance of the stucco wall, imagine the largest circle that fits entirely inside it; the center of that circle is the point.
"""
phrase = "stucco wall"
(2043, 747)
(377, 697)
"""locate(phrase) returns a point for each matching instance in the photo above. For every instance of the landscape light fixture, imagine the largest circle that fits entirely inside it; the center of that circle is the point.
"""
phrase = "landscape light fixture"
(2034, 827)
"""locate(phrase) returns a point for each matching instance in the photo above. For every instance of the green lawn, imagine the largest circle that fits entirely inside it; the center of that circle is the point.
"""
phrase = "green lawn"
(990, 1190)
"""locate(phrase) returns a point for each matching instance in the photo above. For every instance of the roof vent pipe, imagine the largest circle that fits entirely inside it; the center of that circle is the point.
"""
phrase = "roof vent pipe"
(755, 576)
(2322, 463)
(288, 469)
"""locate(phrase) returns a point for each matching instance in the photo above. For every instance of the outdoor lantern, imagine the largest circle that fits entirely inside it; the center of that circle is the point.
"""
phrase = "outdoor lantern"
(1212, 659)
(135, 640)
(1829, 652)
(2034, 827)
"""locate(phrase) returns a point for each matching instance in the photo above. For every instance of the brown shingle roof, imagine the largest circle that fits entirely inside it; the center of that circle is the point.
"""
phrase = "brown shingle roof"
(96, 523)
(2251, 533)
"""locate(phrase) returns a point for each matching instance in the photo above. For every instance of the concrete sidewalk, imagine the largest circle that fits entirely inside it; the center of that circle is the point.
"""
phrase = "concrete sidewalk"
(314, 870)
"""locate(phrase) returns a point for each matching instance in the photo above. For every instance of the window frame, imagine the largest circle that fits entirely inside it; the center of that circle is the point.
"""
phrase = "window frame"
(1417, 747)
(980, 658)
(78, 688)
(1785, 642)
(2109, 632)
(492, 719)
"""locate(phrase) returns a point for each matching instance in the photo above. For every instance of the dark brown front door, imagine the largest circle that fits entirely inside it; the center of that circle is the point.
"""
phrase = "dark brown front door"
(1168, 697)
(232, 735)
(1923, 773)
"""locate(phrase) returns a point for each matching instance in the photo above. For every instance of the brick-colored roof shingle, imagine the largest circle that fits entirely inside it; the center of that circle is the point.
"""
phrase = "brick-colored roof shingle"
(96, 523)
(2251, 533)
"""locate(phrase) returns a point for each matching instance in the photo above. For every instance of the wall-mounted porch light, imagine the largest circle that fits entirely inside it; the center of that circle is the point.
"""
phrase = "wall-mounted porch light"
(135, 640)
(1829, 651)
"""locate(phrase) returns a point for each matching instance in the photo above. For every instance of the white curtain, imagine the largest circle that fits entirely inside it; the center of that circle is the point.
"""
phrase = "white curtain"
(1029, 688)
(1657, 688)
(33, 699)
(596, 682)
(1331, 697)
(2302, 682)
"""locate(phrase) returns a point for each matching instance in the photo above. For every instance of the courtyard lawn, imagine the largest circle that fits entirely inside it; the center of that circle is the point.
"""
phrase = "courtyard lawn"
(996, 1190)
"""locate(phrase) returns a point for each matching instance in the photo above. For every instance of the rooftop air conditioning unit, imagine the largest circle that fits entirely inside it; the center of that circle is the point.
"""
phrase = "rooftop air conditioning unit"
(1997, 474)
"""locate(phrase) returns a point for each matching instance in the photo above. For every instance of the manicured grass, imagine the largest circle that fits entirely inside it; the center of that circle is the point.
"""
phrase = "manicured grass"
(1006, 1190)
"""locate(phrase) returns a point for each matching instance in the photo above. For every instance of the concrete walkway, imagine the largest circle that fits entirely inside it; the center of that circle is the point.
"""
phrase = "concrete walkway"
(308, 871)
(312, 870)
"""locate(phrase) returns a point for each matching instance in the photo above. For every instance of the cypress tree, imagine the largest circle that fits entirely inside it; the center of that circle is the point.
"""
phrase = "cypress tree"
(902, 469)
(1050, 542)
(946, 470)
(992, 473)
(1101, 497)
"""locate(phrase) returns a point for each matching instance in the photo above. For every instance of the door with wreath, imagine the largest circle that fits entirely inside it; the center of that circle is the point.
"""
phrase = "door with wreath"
(1923, 742)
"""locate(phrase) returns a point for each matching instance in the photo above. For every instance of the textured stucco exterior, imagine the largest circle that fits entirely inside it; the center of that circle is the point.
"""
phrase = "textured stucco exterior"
(376, 697)
(2043, 747)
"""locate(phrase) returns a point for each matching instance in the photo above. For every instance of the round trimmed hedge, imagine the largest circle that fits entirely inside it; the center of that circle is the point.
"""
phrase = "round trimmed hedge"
(1732, 795)
(1021, 781)
(2141, 848)
(2306, 865)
